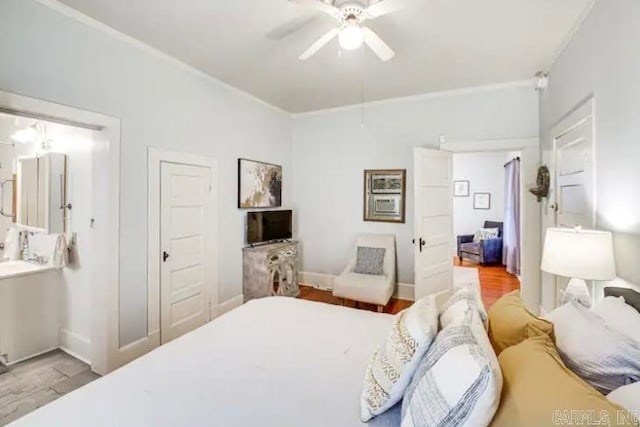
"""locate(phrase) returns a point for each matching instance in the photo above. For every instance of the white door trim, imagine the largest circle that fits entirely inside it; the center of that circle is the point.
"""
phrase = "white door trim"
(105, 284)
(531, 242)
(155, 157)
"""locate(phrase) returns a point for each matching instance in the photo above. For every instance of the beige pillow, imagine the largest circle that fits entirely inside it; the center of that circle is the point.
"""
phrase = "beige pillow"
(540, 391)
(508, 320)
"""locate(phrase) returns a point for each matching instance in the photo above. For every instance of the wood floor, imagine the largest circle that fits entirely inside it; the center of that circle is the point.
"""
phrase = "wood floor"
(494, 283)
(38, 381)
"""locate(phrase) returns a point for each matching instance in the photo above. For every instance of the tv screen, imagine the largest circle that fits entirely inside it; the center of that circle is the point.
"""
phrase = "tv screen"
(267, 226)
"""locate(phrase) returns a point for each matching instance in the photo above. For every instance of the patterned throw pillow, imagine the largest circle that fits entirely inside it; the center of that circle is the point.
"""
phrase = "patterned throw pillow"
(463, 297)
(392, 365)
(485, 234)
(370, 261)
(458, 382)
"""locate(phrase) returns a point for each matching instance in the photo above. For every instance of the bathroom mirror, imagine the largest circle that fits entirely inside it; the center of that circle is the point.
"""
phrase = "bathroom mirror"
(41, 192)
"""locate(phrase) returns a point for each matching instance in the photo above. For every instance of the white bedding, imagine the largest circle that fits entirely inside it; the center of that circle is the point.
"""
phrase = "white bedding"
(277, 362)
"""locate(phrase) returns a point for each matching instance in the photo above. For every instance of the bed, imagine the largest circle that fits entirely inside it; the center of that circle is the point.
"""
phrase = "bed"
(271, 362)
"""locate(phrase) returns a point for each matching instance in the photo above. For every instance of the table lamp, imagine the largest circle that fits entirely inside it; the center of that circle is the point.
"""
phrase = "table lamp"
(579, 255)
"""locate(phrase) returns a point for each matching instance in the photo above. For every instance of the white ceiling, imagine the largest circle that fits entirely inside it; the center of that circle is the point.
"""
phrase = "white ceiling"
(440, 45)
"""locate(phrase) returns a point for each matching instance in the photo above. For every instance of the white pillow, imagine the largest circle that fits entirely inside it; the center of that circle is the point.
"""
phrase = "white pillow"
(619, 316)
(598, 354)
(458, 304)
(458, 382)
(627, 396)
(392, 365)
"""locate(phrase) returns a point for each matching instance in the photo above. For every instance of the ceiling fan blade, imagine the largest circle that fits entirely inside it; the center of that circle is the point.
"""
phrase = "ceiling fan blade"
(293, 26)
(377, 45)
(384, 7)
(321, 6)
(322, 42)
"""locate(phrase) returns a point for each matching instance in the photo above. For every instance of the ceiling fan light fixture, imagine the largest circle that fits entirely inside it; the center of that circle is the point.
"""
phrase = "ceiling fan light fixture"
(351, 37)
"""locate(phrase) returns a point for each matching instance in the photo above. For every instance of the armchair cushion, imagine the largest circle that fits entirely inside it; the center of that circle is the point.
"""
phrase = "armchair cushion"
(364, 287)
(370, 261)
(486, 233)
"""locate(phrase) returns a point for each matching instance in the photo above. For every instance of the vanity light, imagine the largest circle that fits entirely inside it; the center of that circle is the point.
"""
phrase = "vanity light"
(26, 135)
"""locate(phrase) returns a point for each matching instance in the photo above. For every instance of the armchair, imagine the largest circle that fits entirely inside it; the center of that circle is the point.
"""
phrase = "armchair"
(366, 288)
(485, 252)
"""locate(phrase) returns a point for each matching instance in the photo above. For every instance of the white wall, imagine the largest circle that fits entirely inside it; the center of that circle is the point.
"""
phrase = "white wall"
(485, 172)
(331, 150)
(602, 60)
(50, 56)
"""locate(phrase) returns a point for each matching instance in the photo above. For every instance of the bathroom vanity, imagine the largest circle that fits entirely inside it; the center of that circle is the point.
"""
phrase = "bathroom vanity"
(29, 310)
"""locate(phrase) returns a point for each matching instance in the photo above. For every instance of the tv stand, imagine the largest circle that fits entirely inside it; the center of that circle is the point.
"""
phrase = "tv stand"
(270, 270)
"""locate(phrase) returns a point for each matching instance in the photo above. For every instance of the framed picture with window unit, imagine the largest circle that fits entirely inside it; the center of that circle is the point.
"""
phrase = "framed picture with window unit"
(384, 195)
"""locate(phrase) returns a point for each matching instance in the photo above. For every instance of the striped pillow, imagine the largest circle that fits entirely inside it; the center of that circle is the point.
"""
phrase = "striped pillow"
(392, 365)
(458, 382)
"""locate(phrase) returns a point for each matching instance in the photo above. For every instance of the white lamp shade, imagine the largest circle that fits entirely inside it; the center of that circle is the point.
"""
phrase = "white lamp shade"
(583, 254)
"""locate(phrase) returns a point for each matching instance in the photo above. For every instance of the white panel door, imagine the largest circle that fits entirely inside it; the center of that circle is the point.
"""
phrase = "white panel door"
(574, 175)
(433, 180)
(185, 214)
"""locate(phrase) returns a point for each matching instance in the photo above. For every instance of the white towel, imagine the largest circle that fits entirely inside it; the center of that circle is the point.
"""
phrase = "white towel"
(51, 246)
(11, 245)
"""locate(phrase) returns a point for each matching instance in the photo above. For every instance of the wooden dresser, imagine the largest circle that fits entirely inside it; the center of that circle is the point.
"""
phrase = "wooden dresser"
(269, 270)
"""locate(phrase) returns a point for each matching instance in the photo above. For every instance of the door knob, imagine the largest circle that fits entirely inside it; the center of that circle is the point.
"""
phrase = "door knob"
(165, 255)
(421, 243)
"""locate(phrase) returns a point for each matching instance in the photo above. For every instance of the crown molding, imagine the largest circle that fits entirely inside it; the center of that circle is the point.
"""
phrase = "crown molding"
(82, 18)
(430, 95)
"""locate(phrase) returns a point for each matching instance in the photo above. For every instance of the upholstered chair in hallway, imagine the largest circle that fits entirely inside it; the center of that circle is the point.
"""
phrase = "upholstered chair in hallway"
(484, 252)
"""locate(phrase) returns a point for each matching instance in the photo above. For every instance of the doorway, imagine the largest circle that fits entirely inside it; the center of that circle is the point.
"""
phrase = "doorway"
(183, 268)
(437, 225)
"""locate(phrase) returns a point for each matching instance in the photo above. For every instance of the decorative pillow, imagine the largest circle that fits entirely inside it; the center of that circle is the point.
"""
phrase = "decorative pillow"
(458, 304)
(627, 396)
(370, 261)
(630, 296)
(458, 382)
(508, 320)
(540, 391)
(619, 316)
(601, 356)
(486, 234)
(392, 365)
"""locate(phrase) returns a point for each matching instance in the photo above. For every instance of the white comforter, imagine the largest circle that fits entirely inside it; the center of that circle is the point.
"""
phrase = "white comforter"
(277, 362)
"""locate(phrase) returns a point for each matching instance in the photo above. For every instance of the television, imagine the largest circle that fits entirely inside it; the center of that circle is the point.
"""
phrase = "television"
(268, 226)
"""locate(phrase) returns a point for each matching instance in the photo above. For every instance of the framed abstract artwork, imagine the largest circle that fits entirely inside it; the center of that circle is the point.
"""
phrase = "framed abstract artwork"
(461, 188)
(482, 201)
(384, 195)
(259, 184)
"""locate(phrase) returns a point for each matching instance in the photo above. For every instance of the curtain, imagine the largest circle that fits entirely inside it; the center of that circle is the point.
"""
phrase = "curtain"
(511, 232)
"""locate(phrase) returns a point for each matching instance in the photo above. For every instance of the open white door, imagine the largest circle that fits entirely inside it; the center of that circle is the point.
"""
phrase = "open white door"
(433, 180)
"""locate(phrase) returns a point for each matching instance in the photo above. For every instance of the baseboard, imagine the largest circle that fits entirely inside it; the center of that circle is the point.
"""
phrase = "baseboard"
(75, 345)
(324, 282)
(404, 291)
(31, 356)
(230, 304)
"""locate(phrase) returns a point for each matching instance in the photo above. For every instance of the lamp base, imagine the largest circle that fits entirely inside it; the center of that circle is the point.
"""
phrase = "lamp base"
(578, 291)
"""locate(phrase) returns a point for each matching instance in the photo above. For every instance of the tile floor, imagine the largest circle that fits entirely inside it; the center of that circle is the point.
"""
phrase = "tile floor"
(36, 382)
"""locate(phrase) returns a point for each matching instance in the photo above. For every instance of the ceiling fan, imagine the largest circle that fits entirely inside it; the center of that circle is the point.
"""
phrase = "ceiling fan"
(351, 14)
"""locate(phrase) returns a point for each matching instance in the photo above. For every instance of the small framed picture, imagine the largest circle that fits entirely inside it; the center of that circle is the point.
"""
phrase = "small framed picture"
(482, 201)
(460, 188)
